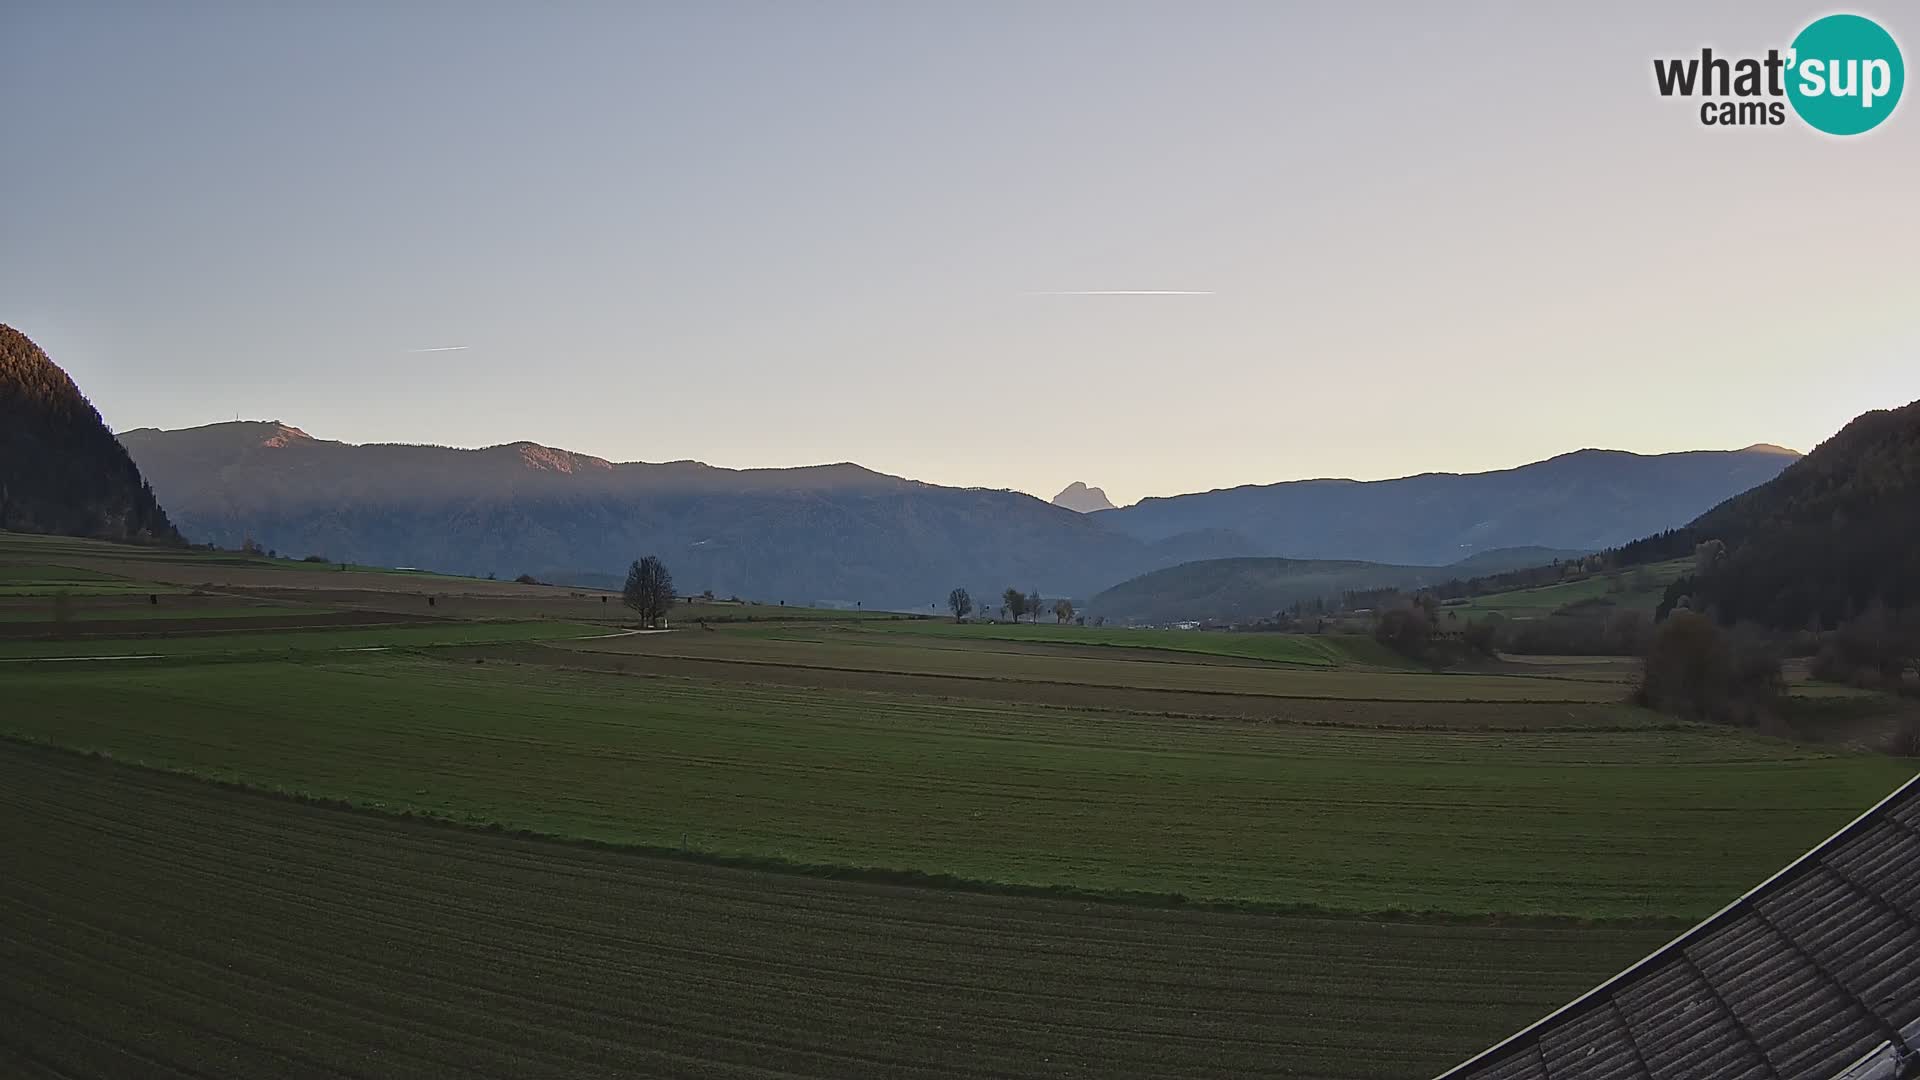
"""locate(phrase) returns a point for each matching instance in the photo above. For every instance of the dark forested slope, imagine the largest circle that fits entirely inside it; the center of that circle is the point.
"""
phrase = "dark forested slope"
(61, 469)
(1835, 534)
(1239, 589)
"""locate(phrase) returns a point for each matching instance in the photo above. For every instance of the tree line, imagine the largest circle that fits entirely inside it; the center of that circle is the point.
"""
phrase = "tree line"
(1014, 604)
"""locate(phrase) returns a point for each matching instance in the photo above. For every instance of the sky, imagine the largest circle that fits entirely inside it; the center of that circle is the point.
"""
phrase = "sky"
(1154, 247)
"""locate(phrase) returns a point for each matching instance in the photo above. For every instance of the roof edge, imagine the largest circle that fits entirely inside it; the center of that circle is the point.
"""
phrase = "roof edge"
(1591, 997)
(1886, 1062)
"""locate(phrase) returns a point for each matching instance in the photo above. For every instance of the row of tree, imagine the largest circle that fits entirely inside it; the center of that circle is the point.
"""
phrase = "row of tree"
(1014, 604)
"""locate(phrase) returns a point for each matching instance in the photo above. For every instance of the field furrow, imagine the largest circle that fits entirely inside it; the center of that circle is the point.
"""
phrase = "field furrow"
(1565, 822)
(378, 946)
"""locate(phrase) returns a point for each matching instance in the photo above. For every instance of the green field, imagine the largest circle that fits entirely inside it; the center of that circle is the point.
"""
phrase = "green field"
(1559, 822)
(21, 574)
(239, 641)
(1318, 651)
(41, 611)
(725, 611)
(1638, 589)
(148, 568)
(1059, 662)
(44, 581)
(153, 925)
(793, 842)
(65, 549)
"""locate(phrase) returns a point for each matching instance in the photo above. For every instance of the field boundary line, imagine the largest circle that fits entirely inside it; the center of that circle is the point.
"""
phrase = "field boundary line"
(73, 659)
(1098, 686)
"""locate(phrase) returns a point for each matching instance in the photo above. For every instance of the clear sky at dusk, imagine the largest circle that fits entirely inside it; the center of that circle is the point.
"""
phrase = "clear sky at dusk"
(1381, 240)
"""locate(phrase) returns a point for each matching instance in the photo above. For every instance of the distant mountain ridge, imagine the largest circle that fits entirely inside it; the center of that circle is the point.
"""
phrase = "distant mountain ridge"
(61, 470)
(1586, 500)
(836, 533)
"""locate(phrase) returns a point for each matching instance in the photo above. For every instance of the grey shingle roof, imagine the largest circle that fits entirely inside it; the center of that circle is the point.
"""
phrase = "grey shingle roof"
(1814, 975)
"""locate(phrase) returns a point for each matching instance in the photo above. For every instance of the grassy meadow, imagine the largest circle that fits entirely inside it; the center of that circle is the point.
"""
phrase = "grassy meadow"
(238, 640)
(861, 651)
(802, 843)
(1637, 589)
(1328, 651)
(1577, 823)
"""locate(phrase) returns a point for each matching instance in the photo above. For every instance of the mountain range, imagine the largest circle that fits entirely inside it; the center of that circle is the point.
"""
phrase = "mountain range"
(1581, 501)
(843, 534)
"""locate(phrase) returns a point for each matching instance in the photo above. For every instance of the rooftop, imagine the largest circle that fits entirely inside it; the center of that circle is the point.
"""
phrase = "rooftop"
(1814, 975)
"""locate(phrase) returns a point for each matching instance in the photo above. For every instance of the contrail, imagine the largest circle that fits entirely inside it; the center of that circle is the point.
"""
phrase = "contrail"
(442, 348)
(1126, 292)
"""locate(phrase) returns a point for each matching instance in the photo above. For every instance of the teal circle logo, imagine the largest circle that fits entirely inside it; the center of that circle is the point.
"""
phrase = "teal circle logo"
(1845, 74)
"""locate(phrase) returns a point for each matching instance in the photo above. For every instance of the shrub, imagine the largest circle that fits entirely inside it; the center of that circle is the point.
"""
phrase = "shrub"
(315, 558)
(1624, 633)
(1482, 636)
(1405, 630)
(1905, 740)
(1873, 649)
(1698, 671)
(527, 579)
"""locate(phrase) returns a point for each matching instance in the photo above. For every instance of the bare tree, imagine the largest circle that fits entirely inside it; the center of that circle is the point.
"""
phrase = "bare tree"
(1063, 611)
(649, 590)
(1033, 605)
(960, 604)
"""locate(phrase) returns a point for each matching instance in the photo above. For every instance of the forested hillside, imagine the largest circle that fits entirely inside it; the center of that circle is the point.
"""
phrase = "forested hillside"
(1834, 535)
(1237, 589)
(61, 469)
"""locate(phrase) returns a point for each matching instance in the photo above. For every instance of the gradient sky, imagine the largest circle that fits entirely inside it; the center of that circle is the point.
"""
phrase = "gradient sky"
(1449, 237)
